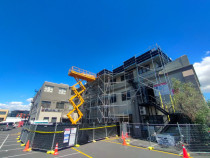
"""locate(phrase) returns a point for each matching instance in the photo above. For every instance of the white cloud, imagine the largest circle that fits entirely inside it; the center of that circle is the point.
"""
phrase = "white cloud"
(16, 105)
(29, 100)
(203, 71)
(207, 52)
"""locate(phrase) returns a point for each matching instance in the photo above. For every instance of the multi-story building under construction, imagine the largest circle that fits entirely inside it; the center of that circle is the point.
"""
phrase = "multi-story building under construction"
(138, 91)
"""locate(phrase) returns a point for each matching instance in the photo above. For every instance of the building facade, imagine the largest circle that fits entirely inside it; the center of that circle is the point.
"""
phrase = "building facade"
(51, 103)
(19, 113)
(138, 91)
(3, 114)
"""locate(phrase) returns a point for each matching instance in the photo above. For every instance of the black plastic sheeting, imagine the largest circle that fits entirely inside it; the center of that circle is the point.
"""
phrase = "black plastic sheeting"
(44, 141)
(99, 132)
(47, 141)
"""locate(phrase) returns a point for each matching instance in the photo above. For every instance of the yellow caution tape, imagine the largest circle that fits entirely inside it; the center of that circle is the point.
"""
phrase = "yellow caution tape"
(43, 131)
(63, 131)
(81, 129)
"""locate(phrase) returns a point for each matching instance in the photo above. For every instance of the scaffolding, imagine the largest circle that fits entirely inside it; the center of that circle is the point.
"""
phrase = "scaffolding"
(138, 86)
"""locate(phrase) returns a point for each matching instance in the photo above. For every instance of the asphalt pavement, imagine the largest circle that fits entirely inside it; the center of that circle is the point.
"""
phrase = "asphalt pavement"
(10, 148)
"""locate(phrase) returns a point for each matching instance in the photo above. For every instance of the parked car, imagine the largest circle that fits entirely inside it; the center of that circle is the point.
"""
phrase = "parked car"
(10, 125)
(3, 126)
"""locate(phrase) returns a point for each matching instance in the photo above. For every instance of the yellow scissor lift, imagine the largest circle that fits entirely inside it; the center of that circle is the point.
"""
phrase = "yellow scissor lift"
(79, 75)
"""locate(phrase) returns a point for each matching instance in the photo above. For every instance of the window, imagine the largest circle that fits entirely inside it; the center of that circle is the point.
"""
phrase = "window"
(129, 75)
(140, 70)
(60, 105)
(123, 96)
(46, 118)
(147, 68)
(126, 96)
(62, 91)
(113, 98)
(48, 89)
(46, 104)
(122, 78)
(72, 92)
(144, 69)
(2, 112)
(54, 119)
(99, 102)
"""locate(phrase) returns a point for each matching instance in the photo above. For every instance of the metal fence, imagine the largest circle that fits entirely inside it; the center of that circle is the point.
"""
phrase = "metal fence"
(45, 137)
(170, 137)
(96, 132)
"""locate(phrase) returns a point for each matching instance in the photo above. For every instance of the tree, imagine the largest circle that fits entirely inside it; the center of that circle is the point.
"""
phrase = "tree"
(191, 102)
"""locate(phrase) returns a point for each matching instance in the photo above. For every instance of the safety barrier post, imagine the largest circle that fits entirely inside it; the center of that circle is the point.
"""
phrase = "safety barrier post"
(150, 146)
(28, 134)
(32, 141)
(54, 136)
(180, 133)
(189, 139)
(94, 132)
(77, 134)
(106, 131)
(149, 134)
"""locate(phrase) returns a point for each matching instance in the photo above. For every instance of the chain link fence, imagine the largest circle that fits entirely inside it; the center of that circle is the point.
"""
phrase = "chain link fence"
(91, 133)
(170, 137)
(44, 136)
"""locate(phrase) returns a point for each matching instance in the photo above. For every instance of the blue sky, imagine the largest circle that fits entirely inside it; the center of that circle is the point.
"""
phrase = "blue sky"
(41, 40)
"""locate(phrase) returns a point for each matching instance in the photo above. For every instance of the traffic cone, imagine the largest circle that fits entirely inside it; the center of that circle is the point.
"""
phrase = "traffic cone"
(122, 135)
(27, 146)
(124, 142)
(56, 149)
(185, 154)
(126, 135)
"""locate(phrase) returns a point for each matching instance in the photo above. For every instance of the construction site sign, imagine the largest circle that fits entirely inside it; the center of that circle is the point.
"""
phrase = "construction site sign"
(165, 140)
(66, 135)
(72, 137)
(162, 88)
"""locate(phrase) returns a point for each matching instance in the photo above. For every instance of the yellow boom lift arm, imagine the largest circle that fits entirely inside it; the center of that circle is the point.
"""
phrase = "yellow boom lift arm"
(79, 75)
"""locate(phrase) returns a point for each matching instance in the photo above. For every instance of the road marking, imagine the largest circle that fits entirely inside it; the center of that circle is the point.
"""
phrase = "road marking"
(68, 155)
(16, 133)
(21, 154)
(9, 150)
(113, 142)
(82, 153)
(4, 141)
(112, 138)
(146, 148)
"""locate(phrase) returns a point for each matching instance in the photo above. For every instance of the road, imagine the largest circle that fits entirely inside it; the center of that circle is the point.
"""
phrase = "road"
(9, 148)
